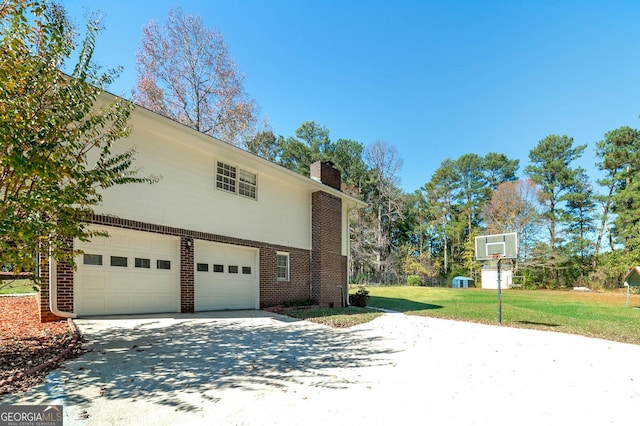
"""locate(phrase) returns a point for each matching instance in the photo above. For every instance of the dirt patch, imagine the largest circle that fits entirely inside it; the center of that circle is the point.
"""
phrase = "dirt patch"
(26, 343)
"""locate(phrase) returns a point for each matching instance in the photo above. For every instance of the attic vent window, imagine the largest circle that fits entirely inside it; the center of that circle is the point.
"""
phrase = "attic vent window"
(235, 180)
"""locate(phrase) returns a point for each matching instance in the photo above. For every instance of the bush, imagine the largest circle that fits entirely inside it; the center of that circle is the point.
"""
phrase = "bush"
(299, 302)
(414, 280)
(359, 279)
(360, 298)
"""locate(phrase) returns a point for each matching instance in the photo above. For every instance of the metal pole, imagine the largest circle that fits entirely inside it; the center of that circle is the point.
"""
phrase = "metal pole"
(499, 295)
(627, 304)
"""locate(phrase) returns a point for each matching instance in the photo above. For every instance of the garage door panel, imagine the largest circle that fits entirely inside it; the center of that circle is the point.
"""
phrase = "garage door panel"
(145, 284)
(150, 304)
(118, 283)
(91, 304)
(90, 281)
(118, 304)
(138, 287)
(216, 287)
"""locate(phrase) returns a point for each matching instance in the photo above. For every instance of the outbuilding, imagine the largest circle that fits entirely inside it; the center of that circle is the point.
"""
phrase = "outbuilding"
(490, 276)
(462, 282)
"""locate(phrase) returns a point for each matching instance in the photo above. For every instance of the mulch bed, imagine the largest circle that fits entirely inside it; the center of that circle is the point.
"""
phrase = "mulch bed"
(26, 343)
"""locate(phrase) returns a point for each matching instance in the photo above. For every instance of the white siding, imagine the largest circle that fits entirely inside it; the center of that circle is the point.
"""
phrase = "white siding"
(186, 195)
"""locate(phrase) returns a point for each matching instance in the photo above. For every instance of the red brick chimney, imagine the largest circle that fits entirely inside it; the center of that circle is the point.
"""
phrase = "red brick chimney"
(324, 172)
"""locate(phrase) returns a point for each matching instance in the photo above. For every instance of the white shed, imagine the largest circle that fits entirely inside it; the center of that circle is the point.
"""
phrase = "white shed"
(490, 276)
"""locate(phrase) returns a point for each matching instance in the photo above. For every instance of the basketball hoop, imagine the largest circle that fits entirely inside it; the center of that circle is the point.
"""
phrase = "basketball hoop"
(495, 248)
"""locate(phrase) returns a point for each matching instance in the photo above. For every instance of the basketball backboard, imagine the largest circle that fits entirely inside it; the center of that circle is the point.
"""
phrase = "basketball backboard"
(504, 246)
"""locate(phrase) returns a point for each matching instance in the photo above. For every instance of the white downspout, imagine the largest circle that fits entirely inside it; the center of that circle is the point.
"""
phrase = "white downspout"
(346, 302)
(53, 291)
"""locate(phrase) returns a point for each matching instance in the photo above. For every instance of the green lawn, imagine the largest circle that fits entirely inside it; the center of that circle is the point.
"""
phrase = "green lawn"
(592, 314)
(16, 286)
(336, 317)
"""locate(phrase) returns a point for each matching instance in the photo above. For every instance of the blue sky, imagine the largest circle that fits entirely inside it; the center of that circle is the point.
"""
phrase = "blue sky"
(435, 79)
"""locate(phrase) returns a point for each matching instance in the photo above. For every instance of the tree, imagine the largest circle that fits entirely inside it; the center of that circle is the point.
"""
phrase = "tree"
(550, 168)
(580, 220)
(51, 124)
(513, 207)
(347, 155)
(385, 197)
(498, 168)
(311, 144)
(619, 158)
(471, 188)
(265, 144)
(439, 192)
(185, 72)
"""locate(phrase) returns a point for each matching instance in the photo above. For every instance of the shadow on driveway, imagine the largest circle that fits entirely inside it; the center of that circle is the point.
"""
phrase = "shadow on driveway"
(159, 358)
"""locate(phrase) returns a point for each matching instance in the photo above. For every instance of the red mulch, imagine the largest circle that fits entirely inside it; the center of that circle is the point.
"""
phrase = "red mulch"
(25, 342)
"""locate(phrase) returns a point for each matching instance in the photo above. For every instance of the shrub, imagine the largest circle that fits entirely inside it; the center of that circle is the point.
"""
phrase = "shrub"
(359, 279)
(299, 302)
(414, 280)
(360, 298)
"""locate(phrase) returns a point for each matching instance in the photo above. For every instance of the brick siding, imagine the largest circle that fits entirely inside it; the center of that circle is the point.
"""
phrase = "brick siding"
(324, 172)
(328, 275)
(187, 291)
(272, 291)
(64, 274)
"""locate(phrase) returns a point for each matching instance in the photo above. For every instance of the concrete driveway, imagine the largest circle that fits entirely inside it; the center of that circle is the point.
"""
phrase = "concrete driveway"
(252, 367)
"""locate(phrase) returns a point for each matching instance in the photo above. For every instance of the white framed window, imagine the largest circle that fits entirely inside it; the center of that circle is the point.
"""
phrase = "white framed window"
(226, 177)
(236, 180)
(247, 184)
(282, 264)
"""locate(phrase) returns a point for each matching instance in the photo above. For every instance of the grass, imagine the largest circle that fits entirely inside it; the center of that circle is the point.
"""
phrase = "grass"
(593, 314)
(336, 317)
(16, 286)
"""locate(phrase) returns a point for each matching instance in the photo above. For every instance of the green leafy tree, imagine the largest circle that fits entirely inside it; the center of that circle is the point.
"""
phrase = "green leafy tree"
(550, 167)
(471, 192)
(347, 155)
(311, 143)
(613, 153)
(50, 125)
(439, 192)
(498, 169)
(619, 158)
(265, 144)
(580, 223)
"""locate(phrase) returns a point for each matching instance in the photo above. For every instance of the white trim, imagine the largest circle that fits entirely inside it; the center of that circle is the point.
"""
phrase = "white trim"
(288, 257)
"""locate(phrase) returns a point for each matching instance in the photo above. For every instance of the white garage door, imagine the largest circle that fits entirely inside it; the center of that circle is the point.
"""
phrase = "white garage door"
(226, 277)
(129, 272)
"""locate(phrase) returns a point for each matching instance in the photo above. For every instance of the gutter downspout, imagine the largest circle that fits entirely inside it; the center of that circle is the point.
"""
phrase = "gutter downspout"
(346, 298)
(53, 291)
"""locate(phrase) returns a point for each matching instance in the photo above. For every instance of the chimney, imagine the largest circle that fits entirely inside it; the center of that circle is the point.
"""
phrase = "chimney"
(324, 172)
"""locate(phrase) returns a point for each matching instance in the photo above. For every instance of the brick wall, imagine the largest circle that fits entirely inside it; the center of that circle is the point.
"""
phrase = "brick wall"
(43, 295)
(272, 291)
(328, 275)
(187, 291)
(64, 288)
(324, 172)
